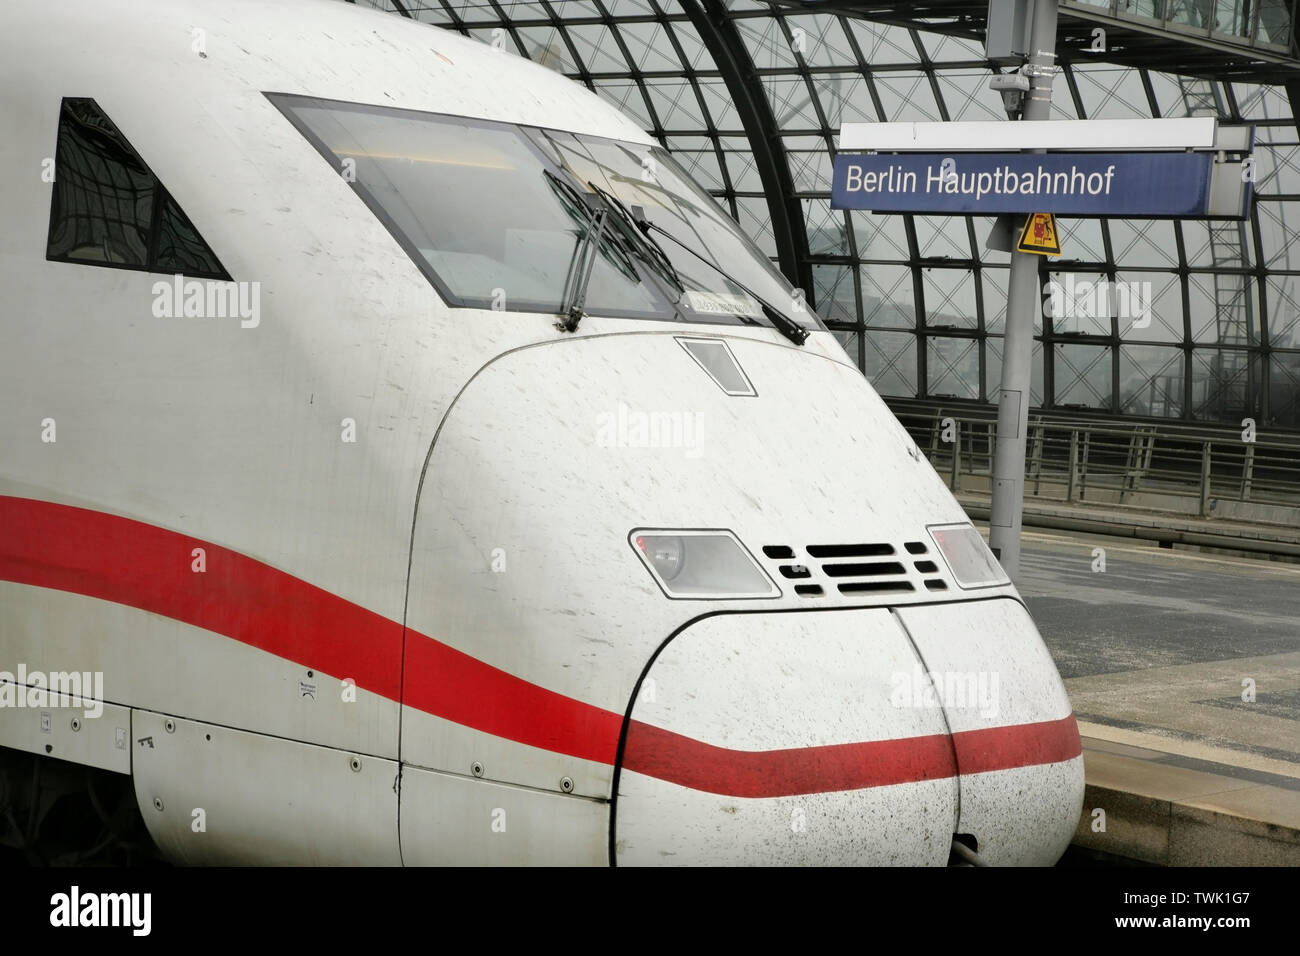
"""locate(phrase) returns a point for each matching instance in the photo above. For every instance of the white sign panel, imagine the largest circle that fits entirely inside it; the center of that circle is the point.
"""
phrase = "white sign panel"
(1107, 135)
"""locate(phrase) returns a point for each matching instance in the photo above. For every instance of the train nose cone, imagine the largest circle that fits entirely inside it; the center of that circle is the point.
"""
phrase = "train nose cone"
(772, 739)
(1014, 734)
(835, 738)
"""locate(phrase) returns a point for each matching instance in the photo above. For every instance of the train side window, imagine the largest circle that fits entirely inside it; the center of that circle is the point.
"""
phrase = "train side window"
(109, 209)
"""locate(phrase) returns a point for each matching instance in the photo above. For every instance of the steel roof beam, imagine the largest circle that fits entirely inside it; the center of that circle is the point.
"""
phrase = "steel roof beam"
(722, 40)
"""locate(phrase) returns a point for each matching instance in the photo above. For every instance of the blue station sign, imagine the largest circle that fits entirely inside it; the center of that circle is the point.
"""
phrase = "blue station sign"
(1144, 185)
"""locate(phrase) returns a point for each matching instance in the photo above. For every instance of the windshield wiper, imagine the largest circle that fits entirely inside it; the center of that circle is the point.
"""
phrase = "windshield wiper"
(599, 205)
(643, 245)
(787, 326)
(572, 305)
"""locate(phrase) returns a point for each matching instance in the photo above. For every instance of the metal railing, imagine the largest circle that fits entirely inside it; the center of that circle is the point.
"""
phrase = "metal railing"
(1187, 469)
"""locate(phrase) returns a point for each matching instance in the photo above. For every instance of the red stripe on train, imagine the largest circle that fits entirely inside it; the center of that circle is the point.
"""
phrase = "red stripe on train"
(143, 566)
(448, 683)
(878, 763)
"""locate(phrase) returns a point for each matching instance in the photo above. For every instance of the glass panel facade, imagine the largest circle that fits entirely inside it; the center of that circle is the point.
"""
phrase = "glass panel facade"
(1082, 376)
(953, 366)
(1151, 381)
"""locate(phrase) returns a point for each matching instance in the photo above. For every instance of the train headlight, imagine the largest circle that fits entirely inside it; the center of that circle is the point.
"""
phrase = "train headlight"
(968, 558)
(665, 553)
(701, 564)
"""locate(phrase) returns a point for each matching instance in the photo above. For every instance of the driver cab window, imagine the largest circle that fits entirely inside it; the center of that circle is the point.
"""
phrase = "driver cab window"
(109, 209)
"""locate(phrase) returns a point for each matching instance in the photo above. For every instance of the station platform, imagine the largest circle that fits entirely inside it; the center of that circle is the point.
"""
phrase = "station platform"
(1168, 809)
(1278, 536)
(1184, 672)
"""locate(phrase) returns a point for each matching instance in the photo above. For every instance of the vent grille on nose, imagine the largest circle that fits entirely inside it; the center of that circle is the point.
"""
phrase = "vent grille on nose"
(875, 567)
(849, 550)
(859, 576)
(855, 587)
(863, 570)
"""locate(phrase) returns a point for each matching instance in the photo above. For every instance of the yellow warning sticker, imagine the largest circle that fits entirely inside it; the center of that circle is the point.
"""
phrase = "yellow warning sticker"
(1039, 235)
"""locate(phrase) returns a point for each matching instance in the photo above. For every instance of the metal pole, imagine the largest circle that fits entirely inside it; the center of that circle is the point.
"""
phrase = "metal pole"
(955, 481)
(1248, 472)
(1036, 461)
(1023, 304)
(1083, 469)
(1074, 464)
(1205, 480)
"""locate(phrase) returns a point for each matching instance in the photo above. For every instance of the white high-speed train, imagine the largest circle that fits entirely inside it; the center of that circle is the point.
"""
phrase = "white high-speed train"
(402, 460)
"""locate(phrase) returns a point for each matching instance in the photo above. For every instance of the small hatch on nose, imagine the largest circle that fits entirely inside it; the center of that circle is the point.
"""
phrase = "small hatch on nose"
(714, 356)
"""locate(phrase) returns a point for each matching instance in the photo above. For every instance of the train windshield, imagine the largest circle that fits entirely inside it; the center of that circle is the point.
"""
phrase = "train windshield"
(723, 273)
(487, 211)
